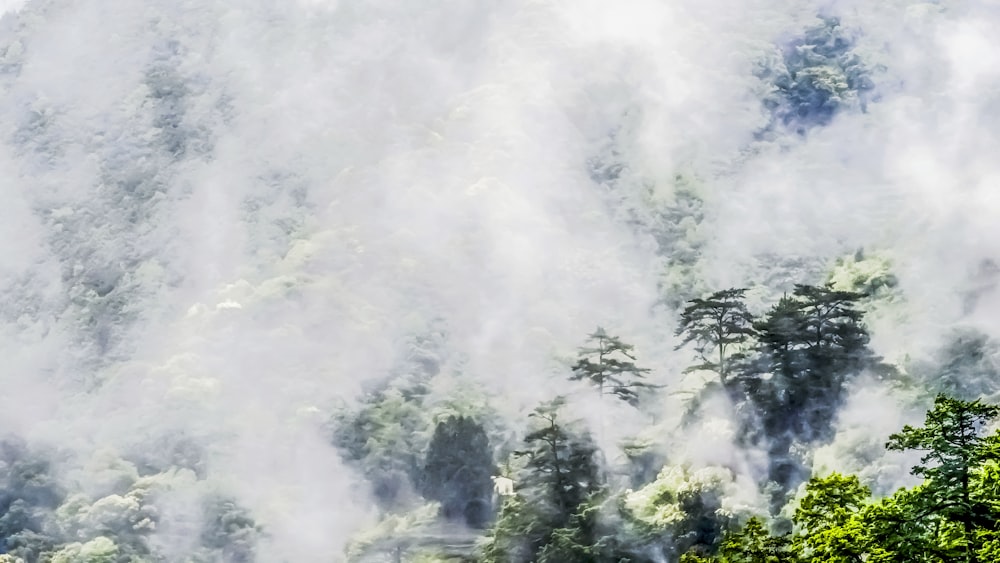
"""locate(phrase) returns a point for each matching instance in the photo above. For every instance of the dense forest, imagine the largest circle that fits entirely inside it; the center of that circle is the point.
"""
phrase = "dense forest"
(785, 373)
(520, 281)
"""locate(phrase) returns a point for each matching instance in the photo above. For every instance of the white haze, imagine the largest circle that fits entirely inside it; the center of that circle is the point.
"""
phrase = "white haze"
(346, 174)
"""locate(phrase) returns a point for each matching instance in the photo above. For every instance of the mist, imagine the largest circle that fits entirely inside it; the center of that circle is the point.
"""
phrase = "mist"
(222, 223)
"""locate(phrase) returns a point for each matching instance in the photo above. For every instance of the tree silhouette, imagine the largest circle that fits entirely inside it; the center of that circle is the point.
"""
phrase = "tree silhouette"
(720, 328)
(457, 471)
(610, 365)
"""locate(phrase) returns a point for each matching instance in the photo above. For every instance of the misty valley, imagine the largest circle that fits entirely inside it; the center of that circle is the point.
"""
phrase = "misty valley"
(526, 281)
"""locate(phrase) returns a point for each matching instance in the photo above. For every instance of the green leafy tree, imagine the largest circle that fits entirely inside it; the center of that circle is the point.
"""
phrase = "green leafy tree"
(753, 544)
(609, 364)
(579, 539)
(954, 446)
(681, 510)
(954, 515)
(986, 479)
(828, 527)
(518, 533)
(899, 529)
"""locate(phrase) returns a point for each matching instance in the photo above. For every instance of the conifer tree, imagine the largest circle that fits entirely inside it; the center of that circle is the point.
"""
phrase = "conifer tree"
(809, 346)
(720, 328)
(549, 512)
(610, 365)
(954, 446)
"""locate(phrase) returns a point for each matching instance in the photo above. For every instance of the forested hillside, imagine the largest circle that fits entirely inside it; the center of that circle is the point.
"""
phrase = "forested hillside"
(499, 281)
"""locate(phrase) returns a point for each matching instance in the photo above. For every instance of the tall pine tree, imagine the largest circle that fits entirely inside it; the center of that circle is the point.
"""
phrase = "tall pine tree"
(609, 364)
(720, 328)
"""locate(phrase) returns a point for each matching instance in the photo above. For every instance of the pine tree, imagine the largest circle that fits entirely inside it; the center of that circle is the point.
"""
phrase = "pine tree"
(720, 327)
(560, 466)
(610, 365)
(954, 446)
(809, 346)
(549, 512)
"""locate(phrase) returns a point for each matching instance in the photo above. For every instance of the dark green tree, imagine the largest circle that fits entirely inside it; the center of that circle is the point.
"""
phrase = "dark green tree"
(810, 345)
(719, 328)
(966, 367)
(609, 364)
(549, 513)
(384, 437)
(457, 471)
(561, 466)
(29, 493)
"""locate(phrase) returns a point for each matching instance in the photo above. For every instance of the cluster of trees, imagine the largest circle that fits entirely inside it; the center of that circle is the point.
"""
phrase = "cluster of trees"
(817, 75)
(42, 521)
(553, 516)
(565, 510)
(952, 516)
(785, 371)
(558, 481)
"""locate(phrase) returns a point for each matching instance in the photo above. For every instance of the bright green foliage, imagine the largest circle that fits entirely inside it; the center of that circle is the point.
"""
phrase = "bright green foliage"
(395, 534)
(954, 515)
(610, 365)
(898, 529)
(863, 273)
(753, 544)
(953, 447)
(693, 558)
(682, 509)
(827, 527)
(97, 550)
